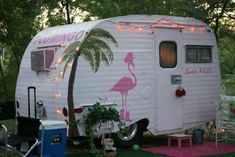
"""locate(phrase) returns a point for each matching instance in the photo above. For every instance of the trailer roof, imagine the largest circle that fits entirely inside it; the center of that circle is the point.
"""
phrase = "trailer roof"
(67, 33)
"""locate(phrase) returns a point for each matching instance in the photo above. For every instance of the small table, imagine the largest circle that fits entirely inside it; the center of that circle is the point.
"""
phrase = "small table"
(179, 138)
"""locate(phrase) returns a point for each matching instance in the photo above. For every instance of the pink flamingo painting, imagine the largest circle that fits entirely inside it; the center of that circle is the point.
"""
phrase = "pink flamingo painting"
(124, 85)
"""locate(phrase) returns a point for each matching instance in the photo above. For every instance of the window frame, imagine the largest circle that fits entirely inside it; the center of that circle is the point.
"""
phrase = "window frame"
(176, 55)
(198, 53)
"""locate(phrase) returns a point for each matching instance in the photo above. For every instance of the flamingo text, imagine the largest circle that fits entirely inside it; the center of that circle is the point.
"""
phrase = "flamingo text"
(59, 38)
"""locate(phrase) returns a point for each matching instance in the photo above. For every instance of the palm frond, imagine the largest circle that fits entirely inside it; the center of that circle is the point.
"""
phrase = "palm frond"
(97, 61)
(69, 54)
(67, 61)
(71, 49)
(102, 34)
(94, 48)
(104, 59)
(97, 44)
(101, 52)
(89, 57)
(107, 55)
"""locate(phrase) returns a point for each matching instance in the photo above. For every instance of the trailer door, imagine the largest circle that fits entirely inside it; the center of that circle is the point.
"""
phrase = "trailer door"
(169, 51)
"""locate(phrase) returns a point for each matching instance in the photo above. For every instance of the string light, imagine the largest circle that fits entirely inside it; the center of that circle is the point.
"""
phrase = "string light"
(59, 111)
(131, 28)
(63, 45)
(120, 27)
(222, 130)
(192, 29)
(202, 29)
(69, 65)
(57, 95)
(58, 61)
(77, 49)
(56, 78)
(161, 23)
(61, 73)
(141, 28)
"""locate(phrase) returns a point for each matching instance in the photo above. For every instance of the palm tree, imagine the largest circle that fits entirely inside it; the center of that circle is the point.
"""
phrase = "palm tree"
(94, 48)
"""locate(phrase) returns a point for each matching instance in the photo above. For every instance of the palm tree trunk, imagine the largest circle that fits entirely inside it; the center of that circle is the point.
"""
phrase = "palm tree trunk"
(73, 130)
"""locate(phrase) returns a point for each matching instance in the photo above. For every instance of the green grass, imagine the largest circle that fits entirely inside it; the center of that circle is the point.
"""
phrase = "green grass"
(10, 124)
(230, 89)
(147, 141)
(83, 149)
(120, 153)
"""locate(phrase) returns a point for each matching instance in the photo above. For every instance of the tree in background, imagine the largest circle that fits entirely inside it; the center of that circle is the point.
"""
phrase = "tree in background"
(17, 28)
(20, 20)
(2, 75)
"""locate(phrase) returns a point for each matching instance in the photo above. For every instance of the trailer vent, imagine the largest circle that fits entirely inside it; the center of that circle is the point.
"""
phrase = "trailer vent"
(41, 60)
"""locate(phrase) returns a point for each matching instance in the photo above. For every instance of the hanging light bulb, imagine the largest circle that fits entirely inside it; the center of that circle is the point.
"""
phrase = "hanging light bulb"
(69, 65)
(57, 95)
(61, 73)
(131, 28)
(141, 28)
(221, 130)
(120, 27)
(174, 25)
(56, 78)
(58, 61)
(202, 29)
(59, 111)
(192, 29)
(63, 45)
(77, 49)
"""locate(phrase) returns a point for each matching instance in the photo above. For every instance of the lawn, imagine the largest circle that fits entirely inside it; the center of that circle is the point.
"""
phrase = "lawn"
(146, 142)
(120, 153)
(229, 89)
(83, 149)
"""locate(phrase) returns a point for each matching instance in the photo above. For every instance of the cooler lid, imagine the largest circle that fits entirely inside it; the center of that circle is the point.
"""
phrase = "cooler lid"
(52, 124)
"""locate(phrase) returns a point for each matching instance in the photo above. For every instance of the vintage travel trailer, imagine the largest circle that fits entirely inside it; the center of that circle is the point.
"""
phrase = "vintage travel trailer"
(164, 75)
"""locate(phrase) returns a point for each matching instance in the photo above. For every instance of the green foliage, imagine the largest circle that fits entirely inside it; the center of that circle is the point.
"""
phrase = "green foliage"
(17, 25)
(21, 20)
(69, 54)
(218, 14)
(106, 8)
(94, 48)
(227, 56)
(99, 114)
(8, 75)
(210, 130)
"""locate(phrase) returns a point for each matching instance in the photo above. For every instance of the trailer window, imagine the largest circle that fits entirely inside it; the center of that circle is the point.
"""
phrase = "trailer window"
(198, 54)
(168, 54)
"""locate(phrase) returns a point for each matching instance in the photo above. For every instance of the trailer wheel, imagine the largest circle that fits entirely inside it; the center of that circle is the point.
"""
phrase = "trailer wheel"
(129, 136)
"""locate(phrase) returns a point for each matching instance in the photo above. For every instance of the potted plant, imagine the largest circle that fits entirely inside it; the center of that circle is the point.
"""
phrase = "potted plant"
(100, 115)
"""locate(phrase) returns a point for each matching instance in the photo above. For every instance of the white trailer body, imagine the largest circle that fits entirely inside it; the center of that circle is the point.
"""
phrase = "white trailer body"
(173, 83)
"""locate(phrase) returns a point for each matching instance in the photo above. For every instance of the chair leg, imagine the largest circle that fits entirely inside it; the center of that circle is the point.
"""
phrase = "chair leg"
(13, 149)
(32, 147)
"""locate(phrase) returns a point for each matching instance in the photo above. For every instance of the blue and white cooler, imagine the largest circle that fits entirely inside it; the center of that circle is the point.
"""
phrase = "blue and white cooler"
(53, 138)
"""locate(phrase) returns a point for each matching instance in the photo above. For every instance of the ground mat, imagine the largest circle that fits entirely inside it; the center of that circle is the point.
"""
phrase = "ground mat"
(207, 148)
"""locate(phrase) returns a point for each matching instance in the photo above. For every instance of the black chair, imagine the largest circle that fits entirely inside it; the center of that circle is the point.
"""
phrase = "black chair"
(3, 139)
(27, 132)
